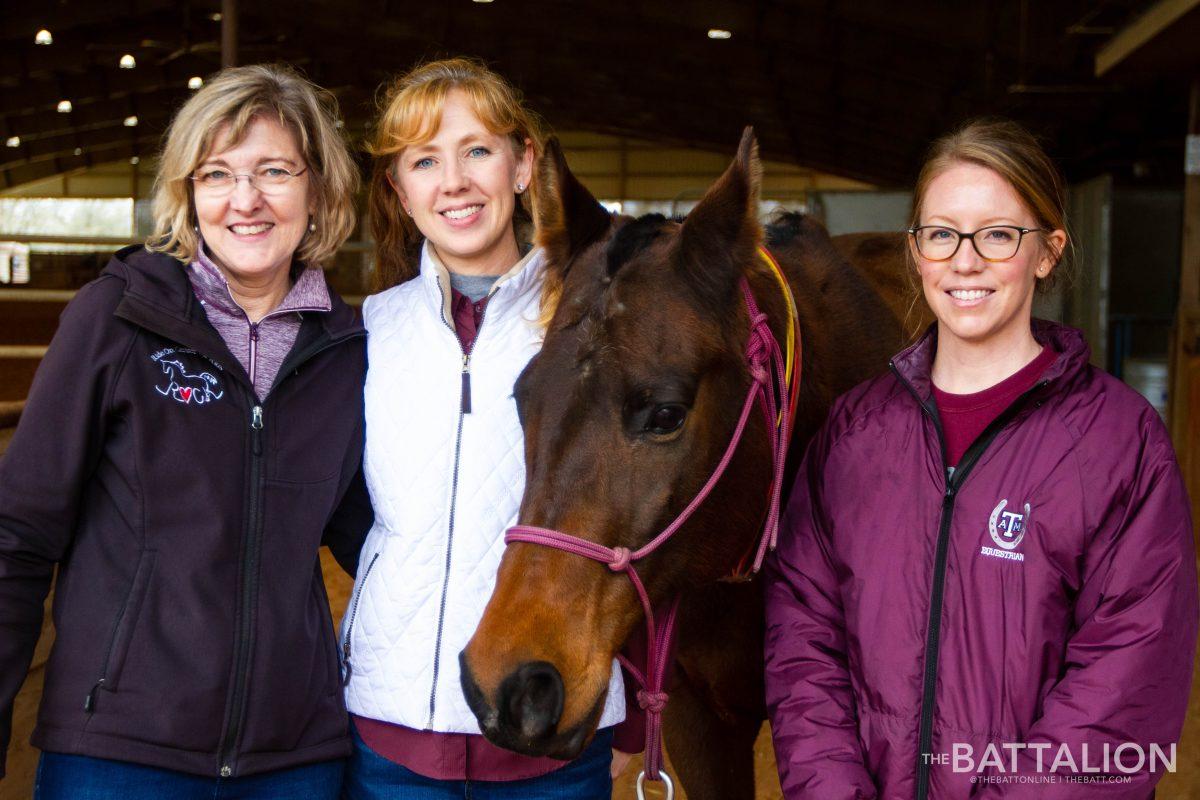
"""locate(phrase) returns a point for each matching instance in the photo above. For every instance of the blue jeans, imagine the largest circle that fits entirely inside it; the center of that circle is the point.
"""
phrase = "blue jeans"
(370, 776)
(69, 777)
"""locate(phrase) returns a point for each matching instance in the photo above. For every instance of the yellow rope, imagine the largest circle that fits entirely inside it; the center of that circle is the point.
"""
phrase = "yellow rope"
(793, 315)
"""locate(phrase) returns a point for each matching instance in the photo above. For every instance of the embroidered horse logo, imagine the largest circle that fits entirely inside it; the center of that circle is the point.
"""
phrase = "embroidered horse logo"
(185, 387)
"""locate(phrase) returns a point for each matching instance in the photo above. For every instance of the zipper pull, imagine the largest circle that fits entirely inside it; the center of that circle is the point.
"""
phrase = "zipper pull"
(256, 425)
(347, 669)
(89, 702)
(466, 384)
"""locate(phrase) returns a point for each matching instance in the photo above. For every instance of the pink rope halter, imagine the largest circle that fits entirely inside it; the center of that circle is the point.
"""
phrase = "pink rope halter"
(770, 391)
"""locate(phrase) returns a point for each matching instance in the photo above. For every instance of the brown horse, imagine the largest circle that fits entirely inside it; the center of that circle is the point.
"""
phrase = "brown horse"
(626, 411)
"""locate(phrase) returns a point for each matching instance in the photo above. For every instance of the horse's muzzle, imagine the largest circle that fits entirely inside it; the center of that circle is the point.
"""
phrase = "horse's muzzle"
(529, 705)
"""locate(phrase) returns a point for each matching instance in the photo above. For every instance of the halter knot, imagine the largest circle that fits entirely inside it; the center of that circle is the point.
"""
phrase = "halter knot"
(653, 702)
(621, 562)
(758, 344)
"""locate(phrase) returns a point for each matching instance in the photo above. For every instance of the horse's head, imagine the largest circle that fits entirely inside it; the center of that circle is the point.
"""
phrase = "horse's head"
(626, 410)
(171, 366)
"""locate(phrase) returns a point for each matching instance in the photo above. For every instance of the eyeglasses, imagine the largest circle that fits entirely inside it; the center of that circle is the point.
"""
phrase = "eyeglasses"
(268, 180)
(993, 243)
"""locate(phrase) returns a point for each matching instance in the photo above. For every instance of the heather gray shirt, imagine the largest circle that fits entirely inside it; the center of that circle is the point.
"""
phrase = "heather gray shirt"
(475, 287)
(259, 347)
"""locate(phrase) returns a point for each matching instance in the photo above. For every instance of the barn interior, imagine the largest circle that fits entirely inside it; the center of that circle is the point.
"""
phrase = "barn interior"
(649, 100)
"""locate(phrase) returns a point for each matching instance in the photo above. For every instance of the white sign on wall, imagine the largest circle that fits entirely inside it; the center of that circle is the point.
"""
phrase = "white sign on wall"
(14, 262)
(1191, 158)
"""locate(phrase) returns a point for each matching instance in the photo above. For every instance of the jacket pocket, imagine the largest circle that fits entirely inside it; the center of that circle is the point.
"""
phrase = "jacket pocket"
(122, 629)
(352, 611)
(328, 640)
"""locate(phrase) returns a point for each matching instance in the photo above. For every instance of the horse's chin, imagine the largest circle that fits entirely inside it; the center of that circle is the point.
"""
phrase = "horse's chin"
(565, 745)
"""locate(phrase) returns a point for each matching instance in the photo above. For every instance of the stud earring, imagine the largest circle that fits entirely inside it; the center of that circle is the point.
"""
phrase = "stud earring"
(312, 227)
(520, 188)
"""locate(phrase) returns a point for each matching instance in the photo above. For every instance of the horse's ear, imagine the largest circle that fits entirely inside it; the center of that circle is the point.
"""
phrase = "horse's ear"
(568, 217)
(721, 233)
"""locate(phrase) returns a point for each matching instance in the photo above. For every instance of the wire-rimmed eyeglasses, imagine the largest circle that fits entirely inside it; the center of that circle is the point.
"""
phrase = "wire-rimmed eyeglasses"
(993, 243)
(267, 179)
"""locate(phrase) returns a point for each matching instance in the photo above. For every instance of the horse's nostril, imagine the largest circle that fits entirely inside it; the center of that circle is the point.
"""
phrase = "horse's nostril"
(531, 699)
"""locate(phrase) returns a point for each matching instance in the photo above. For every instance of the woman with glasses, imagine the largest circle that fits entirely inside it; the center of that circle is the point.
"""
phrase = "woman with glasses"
(193, 436)
(988, 582)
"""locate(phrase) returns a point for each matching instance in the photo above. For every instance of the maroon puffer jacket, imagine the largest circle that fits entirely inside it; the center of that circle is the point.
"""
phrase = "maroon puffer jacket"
(1041, 594)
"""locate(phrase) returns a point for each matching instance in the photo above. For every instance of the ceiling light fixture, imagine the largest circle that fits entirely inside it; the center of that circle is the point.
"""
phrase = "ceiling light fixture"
(719, 33)
(195, 82)
(43, 37)
(215, 17)
(134, 160)
(64, 106)
(127, 61)
(131, 121)
(78, 151)
(13, 141)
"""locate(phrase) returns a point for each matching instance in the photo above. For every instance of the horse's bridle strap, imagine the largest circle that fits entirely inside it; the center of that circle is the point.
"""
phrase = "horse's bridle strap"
(770, 391)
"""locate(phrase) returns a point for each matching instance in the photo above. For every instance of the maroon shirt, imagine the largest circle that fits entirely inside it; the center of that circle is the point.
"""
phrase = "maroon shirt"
(964, 416)
(467, 316)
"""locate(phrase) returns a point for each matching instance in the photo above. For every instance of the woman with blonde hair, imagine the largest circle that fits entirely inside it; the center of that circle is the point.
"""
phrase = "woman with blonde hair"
(988, 586)
(168, 464)
(455, 322)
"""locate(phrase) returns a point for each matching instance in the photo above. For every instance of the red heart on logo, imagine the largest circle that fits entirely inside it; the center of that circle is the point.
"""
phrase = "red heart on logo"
(186, 394)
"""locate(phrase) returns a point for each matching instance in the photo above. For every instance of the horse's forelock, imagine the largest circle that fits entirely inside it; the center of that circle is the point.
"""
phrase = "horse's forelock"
(632, 238)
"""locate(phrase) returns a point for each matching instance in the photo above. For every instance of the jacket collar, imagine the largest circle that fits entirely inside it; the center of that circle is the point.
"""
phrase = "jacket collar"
(914, 364)
(159, 297)
(523, 279)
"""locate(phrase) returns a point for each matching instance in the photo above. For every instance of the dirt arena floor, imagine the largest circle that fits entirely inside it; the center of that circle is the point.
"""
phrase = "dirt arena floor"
(32, 324)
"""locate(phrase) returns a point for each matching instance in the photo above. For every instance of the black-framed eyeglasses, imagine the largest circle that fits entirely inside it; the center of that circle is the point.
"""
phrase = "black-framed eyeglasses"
(267, 179)
(993, 243)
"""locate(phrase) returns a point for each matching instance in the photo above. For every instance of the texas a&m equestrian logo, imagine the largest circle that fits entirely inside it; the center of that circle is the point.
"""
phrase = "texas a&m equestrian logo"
(184, 383)
(1007, 529)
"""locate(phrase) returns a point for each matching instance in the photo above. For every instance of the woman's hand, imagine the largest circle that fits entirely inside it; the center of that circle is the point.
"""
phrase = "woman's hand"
(620, 760)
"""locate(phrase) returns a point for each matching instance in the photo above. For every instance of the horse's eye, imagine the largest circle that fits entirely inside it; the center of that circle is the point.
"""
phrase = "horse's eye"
(666, 419)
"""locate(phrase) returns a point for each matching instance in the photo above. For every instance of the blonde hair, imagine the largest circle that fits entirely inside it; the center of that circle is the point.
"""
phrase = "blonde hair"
(236, 97)
(1011, 151)
(410, 114)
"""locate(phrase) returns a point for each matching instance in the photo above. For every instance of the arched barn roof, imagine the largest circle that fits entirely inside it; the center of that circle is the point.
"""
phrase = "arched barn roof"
(851, 88)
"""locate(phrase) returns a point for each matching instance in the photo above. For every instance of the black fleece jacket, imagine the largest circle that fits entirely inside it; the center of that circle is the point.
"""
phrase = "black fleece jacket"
(185, 518)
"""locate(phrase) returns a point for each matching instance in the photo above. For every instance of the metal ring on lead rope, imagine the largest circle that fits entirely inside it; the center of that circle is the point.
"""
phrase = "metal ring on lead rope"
(662, 776)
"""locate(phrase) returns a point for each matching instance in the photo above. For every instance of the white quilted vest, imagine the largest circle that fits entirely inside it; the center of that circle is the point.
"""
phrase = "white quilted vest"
(445, 486)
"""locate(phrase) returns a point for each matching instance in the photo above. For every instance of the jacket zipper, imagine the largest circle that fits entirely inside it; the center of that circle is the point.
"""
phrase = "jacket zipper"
(254, 326)
(251, 552)
(253, 352)
(955, 476)
(354, 613)
(251, 549)
(464, 408)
